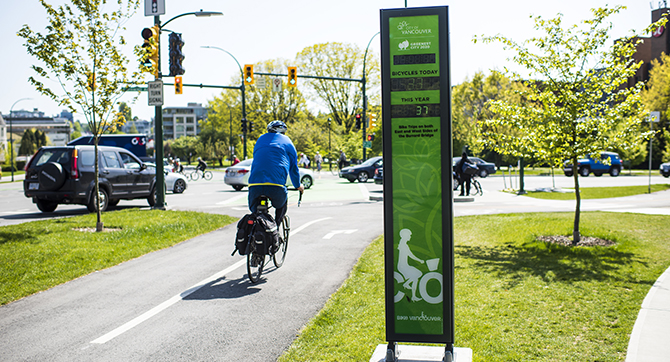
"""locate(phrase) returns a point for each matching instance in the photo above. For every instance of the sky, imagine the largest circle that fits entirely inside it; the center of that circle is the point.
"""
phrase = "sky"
(257, 30)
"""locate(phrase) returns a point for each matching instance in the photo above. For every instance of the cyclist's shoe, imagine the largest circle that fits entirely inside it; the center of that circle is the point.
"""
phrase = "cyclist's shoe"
(274, 248)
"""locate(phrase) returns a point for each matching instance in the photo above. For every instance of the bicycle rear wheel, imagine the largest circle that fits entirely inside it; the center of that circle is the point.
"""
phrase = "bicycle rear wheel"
(207, 175)
(195, 175)
(478, 188)
(284, 231)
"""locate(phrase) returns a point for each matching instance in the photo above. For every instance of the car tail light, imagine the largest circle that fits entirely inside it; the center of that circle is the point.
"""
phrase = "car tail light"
(75, 163)
(242, 172)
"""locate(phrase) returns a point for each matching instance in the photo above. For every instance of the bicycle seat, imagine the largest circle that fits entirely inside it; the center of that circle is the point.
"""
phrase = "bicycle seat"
(263, 204)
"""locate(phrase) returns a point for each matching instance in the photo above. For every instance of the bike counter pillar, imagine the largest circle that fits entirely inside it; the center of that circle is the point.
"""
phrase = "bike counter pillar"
(418, 199)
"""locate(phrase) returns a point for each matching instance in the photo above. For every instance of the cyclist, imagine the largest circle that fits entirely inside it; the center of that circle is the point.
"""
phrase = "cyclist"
(275, 158)
(202, 165)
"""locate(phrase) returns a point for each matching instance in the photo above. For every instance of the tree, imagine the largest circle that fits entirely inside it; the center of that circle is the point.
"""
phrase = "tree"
(80, 51)
(577, 103)
(344, 99)
(185, 147)
(656, 97)
(28, 146)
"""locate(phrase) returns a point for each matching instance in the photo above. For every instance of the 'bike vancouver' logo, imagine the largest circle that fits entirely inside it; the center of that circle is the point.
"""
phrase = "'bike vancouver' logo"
(413, 279)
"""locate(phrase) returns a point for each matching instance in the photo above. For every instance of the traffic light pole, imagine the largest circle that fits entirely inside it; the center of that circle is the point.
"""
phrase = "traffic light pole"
(158, 136)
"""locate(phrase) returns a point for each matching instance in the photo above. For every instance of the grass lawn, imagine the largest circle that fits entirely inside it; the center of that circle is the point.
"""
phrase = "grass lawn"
(599, 192)
(38, 255)
(516, 299)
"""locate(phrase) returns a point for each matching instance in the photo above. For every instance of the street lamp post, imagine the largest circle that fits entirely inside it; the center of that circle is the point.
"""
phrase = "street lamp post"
(330, 162)
(365, 99)
(158, 116)
(244, 108)
(11, 138)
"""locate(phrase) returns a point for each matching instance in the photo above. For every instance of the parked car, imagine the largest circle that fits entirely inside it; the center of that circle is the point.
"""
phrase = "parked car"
(379, 176)
(175, 182)
(485, 168)
(609, 162)
(238, 176)
(363, 171)
(665, 169)
(66, 175)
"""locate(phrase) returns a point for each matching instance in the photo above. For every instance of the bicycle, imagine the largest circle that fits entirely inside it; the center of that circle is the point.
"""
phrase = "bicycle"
(478, 187)
(256, 261)
(474, 184)
(195, 175)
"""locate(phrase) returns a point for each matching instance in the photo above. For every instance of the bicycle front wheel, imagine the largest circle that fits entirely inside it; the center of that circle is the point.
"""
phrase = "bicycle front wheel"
(207, 175)
(284, 231)
(255, 264)
(478, 188)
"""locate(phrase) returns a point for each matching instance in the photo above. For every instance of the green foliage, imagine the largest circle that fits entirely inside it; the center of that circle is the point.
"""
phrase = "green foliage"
(576, 102)
(185, 147)
(656, 97)
(599, 192)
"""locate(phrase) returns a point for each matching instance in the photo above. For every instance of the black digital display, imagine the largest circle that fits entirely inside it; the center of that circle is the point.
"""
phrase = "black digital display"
(415, 110)
(414, 59)
(415, 84)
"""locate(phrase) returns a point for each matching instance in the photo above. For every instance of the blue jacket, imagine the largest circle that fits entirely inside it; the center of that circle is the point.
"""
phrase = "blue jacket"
(275, 158)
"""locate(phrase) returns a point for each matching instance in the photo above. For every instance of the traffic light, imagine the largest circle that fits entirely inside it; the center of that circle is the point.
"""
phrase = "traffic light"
(292, 77)
(358, 121)
(249, 74)
(178, 86)
(244, 125)
(371, 137)
(176, 55)
(149, 58)
(251, 126)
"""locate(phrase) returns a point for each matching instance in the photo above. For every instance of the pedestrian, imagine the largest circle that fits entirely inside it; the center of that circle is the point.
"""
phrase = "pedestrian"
(342, 161)
(304, 161)
(318, 159)
(465, 179)
(235, 160)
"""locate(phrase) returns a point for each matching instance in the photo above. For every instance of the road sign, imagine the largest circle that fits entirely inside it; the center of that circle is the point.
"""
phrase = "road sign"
(367, 144)
(260, 82)
(654, 116)
(154, 7)
(276, 85)
(155, 89)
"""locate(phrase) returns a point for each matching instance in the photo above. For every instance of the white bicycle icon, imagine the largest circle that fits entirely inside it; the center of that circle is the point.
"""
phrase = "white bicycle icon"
(423, 283)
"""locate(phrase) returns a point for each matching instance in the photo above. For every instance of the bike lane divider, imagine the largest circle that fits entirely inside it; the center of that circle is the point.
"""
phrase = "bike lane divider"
(165, 305)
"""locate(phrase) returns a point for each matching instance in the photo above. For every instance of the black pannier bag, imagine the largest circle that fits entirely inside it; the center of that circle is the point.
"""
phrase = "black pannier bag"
(244, 230)
(265, 234)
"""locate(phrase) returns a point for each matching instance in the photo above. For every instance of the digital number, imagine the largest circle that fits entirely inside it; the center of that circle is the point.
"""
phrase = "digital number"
(414, 59)
(415, 84)
(415, 110)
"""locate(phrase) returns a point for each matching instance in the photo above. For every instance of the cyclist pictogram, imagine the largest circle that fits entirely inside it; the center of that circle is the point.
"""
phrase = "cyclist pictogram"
(411, 277)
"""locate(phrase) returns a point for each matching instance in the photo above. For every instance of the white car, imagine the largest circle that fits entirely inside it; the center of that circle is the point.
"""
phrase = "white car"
(174, 182)
(238, 176)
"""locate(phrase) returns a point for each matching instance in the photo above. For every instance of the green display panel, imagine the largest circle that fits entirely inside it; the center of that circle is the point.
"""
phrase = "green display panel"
(417, 145)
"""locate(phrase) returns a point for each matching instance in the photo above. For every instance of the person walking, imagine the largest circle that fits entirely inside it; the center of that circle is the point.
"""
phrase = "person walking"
(342, 160)
(318, 160)
(464, 178)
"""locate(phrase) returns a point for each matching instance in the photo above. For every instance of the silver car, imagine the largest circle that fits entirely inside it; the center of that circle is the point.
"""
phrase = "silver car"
(238, 176)
(174, 182)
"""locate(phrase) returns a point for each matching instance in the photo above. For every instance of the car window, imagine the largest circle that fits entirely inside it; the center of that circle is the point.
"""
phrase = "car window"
(111, 159)
(86, 158)
(380, 163)
(369, 162)
(61, 156)
(245, 162)
(129, 161)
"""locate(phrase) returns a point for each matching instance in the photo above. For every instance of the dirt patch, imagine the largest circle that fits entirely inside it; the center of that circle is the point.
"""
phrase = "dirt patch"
(567, 241)
(92, 230)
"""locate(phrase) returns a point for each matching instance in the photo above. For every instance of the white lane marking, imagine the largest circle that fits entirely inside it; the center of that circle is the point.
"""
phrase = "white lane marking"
(335, 232)
(161, 307)
(364, 191)
(235, 198)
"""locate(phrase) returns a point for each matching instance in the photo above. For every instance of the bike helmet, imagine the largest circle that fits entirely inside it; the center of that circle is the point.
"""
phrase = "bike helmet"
(277, 127)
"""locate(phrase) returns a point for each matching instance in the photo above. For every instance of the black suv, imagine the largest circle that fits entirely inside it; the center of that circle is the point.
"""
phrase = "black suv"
(66, 175)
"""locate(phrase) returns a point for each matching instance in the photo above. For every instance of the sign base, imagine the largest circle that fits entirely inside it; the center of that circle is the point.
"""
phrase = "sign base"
(421, 354)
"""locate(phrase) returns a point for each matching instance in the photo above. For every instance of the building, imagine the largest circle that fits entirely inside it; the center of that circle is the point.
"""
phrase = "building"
(651, 48)
(182, 121)
(142, 126)
(57, 129)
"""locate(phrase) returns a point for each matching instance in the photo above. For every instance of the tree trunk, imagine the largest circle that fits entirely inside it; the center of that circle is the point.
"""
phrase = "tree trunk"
(575, 231)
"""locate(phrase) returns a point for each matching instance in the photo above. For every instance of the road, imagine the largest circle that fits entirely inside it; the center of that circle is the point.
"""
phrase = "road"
(193, 301)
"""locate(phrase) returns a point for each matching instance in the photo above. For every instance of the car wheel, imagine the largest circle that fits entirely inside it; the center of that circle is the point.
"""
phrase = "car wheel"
(483, 173)
(597, 174)
(306, 181)
(351, 179)
(179, 186)
(568, 174)
(363, 176)
(664, 175)
(152, 197)
(104, 201)
(615, 171)
(51, 176)
(46, 206)
(238, 187)
(584, 171)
